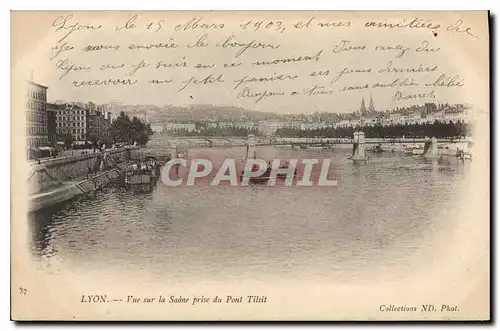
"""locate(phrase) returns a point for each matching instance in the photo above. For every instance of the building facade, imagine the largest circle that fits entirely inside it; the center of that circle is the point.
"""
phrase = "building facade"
(36, 115)
(84, 122)
(248, 125)
(72, 120)
(269, 127)
(157, 128)
(180, 126)
(52, 111)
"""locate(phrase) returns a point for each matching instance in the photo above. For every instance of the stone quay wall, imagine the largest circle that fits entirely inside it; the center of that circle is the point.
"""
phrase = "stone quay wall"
(52, 172)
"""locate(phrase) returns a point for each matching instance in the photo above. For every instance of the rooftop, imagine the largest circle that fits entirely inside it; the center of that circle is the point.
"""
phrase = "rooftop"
(36, 84)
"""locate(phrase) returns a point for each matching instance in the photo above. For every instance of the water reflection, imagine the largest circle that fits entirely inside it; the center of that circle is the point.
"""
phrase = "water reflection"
(40, 227)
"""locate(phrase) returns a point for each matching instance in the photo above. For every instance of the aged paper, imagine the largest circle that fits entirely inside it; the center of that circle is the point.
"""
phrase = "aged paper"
(387, 114)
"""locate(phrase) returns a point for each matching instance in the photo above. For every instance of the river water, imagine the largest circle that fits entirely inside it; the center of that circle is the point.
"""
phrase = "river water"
(381, 215)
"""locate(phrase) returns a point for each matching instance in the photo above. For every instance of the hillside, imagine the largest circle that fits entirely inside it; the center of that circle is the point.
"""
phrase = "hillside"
(192, 113)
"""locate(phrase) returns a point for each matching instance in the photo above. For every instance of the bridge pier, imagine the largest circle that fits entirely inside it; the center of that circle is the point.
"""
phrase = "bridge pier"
(358, 148)
(173, 152)
(251, 152)
(431, 149)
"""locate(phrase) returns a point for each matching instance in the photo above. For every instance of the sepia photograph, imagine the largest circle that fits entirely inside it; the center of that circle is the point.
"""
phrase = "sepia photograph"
(250, 165)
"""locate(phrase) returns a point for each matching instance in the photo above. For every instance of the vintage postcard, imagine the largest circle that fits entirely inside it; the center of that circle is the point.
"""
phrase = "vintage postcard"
(271, 166)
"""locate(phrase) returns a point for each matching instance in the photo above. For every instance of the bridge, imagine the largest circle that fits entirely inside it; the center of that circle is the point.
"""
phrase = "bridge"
(336, 141)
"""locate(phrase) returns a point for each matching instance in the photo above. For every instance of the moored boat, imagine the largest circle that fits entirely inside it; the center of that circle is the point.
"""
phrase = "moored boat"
(152, 163)
(138, 177)
(408, 150)
(464, 155)
(282, 175)
(141, 173)
(417, 151)
(261, 179)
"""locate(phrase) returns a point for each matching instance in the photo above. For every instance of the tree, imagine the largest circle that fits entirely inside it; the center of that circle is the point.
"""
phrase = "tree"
(92, 138)
(123, 129)
(437, 129)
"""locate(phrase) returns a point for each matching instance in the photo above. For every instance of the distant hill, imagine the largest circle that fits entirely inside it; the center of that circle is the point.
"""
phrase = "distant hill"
(217, 113)
(192, 113)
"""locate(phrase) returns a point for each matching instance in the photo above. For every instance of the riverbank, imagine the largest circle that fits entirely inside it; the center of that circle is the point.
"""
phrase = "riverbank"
(71, 189)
